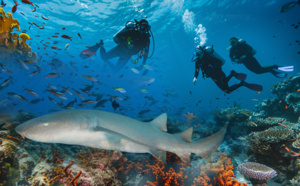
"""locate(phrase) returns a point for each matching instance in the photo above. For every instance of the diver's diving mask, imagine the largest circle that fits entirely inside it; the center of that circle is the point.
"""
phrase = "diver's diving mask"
(199, 52)
(145, 27)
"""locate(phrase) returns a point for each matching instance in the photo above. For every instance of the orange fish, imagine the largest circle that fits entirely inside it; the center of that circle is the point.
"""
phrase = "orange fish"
(27, 2)
(33, 73)
(286, 107)
(42, 27)
(294, 154)
(66, 37)
(45, 18)
(88, 53)
(32, 92)
(35, 24)
(50, 75)
(78, 93)
(286, 148)
(14, 8)
(254, 123)
(90, 78)
(298, 90)
(79, 35)
(63, 28)
(34, 9)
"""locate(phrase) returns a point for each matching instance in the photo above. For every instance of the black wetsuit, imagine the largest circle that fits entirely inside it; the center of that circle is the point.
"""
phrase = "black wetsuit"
(139, 41)
(250, 62)
(212, 67)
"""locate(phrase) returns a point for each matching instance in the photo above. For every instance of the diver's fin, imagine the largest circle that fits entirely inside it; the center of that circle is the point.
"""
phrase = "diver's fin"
(279, 74)
(187, 134)
(255, 87)
(161, 155)
(286, 68)
(160, 122)
(240, 76)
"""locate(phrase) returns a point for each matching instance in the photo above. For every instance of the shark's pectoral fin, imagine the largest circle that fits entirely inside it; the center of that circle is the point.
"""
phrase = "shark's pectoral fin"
(160, 122)
(187, 135)
(185, 157)
(161, 155)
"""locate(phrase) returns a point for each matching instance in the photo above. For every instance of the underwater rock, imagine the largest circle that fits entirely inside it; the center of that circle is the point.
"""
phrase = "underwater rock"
(10, 45)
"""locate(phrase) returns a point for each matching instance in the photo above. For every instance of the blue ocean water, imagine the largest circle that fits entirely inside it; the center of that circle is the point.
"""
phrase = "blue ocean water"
(178, 27)
(173, 23)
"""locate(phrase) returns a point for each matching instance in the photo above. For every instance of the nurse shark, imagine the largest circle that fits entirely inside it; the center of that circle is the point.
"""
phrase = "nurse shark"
(106, 130)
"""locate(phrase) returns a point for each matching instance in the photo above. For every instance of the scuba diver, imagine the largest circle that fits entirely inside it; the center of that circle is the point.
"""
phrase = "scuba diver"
(132, 39)
(210, 63)
(241, 52)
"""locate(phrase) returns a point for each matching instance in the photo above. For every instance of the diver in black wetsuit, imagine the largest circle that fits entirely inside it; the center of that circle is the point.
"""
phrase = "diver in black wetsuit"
(241, 52)
(131, 40)
(211, 63)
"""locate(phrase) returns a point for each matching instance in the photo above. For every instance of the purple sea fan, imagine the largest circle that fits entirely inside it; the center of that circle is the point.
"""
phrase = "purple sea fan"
(257, 171)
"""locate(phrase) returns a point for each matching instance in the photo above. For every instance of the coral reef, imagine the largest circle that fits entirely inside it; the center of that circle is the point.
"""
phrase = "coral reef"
(10, 45)
(232, 114)
(9, 172)
(268, 142)
(287, 102)
(259, 174)
(35, 163)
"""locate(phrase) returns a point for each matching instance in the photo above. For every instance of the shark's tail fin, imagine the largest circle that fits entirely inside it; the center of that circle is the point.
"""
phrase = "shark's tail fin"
(207, 146)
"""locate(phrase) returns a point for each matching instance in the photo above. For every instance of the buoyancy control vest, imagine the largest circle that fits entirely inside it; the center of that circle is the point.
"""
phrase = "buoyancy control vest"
(130, 25)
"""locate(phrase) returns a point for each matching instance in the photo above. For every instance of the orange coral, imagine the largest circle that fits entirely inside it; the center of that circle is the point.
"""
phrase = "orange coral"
(211, 174)
(220, 172)
(16, 48)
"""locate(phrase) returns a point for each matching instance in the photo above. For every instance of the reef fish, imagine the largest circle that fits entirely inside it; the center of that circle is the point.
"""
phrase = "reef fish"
(27, 2)
(289, 6)
(66, 37)
(106, 130)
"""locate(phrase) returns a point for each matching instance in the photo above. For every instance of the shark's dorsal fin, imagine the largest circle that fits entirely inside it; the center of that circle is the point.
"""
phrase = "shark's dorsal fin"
(160, 122)
(187, 134)
(161, 155)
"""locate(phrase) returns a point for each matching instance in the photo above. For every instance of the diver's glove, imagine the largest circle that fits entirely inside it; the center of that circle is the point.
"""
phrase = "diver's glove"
(100, 43)
(194, 80)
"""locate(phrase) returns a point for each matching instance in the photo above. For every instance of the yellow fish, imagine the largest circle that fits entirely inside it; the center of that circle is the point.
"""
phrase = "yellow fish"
(120, 90)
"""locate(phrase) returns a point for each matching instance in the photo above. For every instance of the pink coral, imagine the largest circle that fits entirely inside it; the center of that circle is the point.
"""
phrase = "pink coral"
(257, 171)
